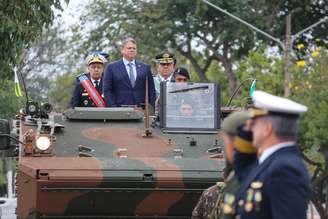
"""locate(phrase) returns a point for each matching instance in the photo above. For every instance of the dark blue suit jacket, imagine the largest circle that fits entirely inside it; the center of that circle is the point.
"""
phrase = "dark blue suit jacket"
(80, 97)
(285, 187)
(117, 87)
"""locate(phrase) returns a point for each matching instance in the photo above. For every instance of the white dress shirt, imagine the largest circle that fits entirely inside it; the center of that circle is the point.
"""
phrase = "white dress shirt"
(134, 70)
(162, 79)
(93, 82)
(268, 152)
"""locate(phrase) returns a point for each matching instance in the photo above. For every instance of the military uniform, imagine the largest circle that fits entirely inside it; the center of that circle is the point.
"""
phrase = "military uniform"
(225, 207)
(164, 57)
(81, 97)
(206, 203)
(87, 92)
(217, 202)
(158, 80)
(278, 186)
(270, 191)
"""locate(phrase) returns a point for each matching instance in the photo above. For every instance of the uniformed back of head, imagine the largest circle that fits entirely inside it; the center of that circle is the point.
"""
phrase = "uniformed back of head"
(281, 112)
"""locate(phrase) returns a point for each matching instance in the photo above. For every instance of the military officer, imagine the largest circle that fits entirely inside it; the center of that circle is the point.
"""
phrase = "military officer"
(217, 201)
(181, 75)
(88, 87)
(165, 62)
(278, 187)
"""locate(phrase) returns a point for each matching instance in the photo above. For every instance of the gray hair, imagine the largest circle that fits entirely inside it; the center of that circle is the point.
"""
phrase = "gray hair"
(285, 127)
(127, 40)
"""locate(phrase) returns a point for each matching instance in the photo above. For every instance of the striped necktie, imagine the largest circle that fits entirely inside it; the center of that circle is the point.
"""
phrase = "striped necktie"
(131, 75)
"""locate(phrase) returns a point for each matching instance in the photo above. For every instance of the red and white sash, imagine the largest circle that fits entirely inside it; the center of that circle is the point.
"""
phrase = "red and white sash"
(92, 91)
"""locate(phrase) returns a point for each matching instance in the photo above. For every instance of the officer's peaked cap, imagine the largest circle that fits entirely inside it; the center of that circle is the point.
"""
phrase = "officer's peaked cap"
(165, 57)
(266, 104)
(96, 57)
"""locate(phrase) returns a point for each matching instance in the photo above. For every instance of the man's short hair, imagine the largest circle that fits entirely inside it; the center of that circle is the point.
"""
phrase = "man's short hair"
(127, 40)
(285, 127)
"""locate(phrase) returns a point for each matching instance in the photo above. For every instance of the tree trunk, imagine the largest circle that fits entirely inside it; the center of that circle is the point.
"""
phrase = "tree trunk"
(199, 70)
(232, 79)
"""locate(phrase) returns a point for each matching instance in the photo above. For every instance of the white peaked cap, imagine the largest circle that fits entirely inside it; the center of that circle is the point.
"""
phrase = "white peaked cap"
(275, 104)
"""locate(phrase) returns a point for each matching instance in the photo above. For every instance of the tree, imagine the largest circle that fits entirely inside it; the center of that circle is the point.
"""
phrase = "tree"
(9, 103)
(194, 29)
(48, 57)
(61, 91)
(21, 22)
(311, 88)
(308, 87)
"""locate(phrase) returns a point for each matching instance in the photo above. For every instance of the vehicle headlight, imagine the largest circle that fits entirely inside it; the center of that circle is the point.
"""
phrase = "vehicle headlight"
(32, 108)
(42, 143)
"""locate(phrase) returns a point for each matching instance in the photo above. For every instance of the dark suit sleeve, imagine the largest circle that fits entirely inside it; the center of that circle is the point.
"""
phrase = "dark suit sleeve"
(76, 95)
(288, 193)
(151, 88)
(108, 89)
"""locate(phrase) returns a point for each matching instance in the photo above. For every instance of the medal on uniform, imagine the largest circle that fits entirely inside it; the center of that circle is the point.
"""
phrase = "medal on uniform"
(227, 209)
(228, 201)
(256, 185)
(258, 196)
(248, 206)
(250, 193)
(257, 199)
(249, 198)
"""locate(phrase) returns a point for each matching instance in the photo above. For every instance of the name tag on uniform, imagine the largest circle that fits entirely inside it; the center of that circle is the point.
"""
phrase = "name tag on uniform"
(85, 94)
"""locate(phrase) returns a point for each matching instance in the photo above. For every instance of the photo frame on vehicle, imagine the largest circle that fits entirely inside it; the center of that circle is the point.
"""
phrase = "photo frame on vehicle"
(190, 107)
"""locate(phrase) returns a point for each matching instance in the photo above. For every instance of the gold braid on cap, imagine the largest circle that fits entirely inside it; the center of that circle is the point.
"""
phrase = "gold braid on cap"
(165, 60)
(258, 112)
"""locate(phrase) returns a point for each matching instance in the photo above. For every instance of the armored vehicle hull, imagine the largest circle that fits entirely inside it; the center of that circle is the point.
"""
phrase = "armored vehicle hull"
(101, 165)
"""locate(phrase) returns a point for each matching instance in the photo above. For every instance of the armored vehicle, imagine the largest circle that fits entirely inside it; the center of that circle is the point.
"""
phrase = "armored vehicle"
(118, 162)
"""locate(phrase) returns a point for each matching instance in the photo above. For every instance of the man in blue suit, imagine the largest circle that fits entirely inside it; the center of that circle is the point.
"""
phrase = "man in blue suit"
(87, 90)
(278, 186)
(125, 80)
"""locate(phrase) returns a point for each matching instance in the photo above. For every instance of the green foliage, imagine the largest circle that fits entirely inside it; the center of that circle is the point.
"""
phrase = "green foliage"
(61, 91)
(266, 69)
(197, 31)
(9, 103)
(21, 22)
(312, 88)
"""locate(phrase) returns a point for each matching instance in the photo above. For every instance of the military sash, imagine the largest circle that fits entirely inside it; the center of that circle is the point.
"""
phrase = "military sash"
(93, 93)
